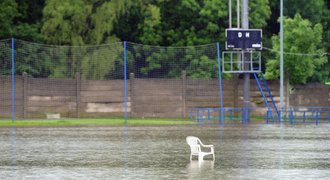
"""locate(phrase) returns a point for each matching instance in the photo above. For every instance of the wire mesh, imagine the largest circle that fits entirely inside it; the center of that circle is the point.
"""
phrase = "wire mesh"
(168, 81)
(66, 81)
(89, 81)
(6, 79)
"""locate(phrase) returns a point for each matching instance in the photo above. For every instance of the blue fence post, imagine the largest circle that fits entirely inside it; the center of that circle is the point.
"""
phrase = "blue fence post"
(203, 116)
(245, 116)
(291, 117)
(248, 115)
(197, 115)
(220, 80)
(267, 114)
(242, 115)
(317, 118)
(12, 79)
(125, 85)
(328, 117)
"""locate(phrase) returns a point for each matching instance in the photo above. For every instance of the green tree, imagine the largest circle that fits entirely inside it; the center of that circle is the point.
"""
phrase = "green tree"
(151, 26)
(80, 22)
(195, 22)
(202, 68)
(64, 21)
(100, 62)
(27, 24)
(259, 13)
(5, 57)
(300, 37)
(33, 59)
(8, 11)
(316, 11)
(190, 22)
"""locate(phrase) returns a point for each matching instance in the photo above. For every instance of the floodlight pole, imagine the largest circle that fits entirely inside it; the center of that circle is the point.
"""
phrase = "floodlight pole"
(246, 87)
(229, 9)
(281, 60)
(238, 10)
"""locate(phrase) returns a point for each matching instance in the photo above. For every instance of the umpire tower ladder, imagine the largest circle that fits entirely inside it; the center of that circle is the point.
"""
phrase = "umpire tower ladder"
(267, 96)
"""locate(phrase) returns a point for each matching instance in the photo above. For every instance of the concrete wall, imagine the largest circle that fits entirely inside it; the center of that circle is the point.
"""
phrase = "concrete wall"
(310, 95)
(34, 97)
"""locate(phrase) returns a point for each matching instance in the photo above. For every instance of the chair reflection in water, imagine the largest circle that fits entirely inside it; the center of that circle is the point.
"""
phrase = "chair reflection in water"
(197, 147)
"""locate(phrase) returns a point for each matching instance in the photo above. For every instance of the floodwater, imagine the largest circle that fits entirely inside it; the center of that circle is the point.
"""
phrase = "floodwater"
(255, 151)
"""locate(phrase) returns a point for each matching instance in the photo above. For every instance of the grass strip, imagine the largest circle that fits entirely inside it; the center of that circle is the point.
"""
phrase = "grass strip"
(93, 122)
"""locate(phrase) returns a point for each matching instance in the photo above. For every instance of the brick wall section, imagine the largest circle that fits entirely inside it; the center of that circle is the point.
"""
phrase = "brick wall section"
(6, 93)
(34, 97)
(50, 96)
(310, 95)
(103, 97)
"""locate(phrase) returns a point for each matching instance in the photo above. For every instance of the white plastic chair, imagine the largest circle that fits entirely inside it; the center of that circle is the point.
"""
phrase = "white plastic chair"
(196, 146)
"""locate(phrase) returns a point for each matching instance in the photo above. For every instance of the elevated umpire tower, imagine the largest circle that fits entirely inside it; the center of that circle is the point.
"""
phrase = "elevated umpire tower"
(242, 53)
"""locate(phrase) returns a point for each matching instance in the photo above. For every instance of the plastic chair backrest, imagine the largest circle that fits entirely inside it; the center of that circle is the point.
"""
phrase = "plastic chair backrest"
(193, 143)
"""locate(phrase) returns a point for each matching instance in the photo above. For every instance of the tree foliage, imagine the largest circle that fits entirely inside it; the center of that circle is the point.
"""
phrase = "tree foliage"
(317, 12)
(300, 37)
(158, 23)
(8, 11)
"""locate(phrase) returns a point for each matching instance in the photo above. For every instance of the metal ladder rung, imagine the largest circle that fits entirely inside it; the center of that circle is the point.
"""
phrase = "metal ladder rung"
(262, 85)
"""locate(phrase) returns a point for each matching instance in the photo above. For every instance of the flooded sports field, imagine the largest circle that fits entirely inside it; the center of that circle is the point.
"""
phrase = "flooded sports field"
(254, 151)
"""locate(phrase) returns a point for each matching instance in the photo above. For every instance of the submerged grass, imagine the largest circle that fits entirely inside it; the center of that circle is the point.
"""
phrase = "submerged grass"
(102, 121)
(94, 122)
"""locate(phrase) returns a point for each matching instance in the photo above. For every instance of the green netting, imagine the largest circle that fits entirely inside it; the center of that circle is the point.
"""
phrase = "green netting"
(89, 81)
(169, 81)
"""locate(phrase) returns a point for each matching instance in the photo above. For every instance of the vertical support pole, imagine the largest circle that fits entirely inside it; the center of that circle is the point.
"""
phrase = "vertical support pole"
(125, 85)
(230, 15)
(221, 118)
(304, 117)
(246, 88)
(235, 93)
(247, 114)
(12, 80)
(25, 94)
(251, 62)
(78, 90)
(267, 113)
(317, 118)
(184, 88)
(291, 117)
(203, 115)
(231, 62)
(280, 115)
(132, 94)
(238, 10)
(329, 117)
(220, 81)
(243, 115)
(281, 59)
(197, 115)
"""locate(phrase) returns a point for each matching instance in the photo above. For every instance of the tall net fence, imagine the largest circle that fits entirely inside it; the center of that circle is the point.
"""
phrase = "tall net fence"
(111, 80)
(61, 80)
(169, 81)
(5, 78)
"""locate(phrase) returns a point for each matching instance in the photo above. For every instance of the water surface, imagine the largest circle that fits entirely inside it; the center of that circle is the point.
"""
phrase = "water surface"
(255, 151)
